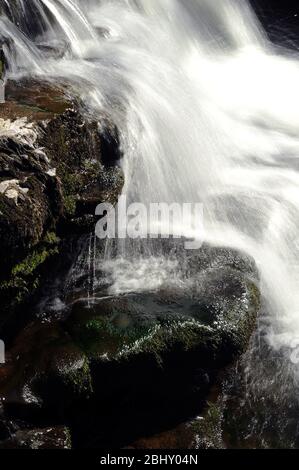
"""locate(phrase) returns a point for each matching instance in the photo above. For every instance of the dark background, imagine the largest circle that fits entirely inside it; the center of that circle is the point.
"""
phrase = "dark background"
(280, 20)
(276, 7)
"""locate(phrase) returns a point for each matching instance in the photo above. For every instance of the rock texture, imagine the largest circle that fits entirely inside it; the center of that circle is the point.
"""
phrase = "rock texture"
(55, 167)
(153, 355)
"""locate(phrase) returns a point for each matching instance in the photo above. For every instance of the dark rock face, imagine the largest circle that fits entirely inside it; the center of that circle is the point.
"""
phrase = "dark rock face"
(32, 24)
(78, 148)
(147, 358)
(211, 316)
(30, 200)
(55, 167)
(83, 153)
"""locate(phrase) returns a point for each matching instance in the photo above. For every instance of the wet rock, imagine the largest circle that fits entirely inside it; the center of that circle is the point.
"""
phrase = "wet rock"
(34, 100)
(47, 438)
(213, 295)
(30, 200)
(202, 432)
(150, 357)
(82, 155)
(165, 348)
(181, 437)
(205, 325)
(7, 427)
(45, 372)
(31, 24)
(85, 162)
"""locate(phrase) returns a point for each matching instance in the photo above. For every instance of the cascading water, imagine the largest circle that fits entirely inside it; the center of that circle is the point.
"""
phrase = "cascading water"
(208, 111)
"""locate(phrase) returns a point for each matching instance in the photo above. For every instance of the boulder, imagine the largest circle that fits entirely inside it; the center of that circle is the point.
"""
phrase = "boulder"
(56, 165)
(148, 357)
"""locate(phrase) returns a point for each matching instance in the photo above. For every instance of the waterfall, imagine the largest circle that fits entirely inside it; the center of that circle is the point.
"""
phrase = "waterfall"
(208, 111)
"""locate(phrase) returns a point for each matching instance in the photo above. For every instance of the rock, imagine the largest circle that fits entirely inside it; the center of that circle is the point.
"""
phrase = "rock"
(31, 24)
(180, 437)
(202, 432)
(55, 167)
(83, 154)
(24, 279)
(7, 427)
(48, 438)
(85, 162)
(34, 100)
(44, 371)
(30, 200)
(150, 357)
(205, 323)
(209, 286)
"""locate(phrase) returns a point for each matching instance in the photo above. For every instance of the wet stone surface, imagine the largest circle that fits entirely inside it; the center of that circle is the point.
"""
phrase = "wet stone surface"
(113, 359)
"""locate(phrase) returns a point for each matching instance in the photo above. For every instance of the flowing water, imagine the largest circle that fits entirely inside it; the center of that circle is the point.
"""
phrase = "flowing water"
(208, 111)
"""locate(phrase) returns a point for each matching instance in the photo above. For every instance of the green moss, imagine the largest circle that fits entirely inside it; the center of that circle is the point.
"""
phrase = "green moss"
(51, 238)
(32, 262)
(99, 335)
(24, 278)
(255, 295)
(100, 324)
(71, 182)
(119, 337)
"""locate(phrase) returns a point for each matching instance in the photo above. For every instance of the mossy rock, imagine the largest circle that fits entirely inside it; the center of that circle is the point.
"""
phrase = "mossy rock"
(58, 178)
(217, 314)
(134, 354)
(45, 373)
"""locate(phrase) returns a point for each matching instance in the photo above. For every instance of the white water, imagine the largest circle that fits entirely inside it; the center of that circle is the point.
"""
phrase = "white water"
(208, 112)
